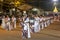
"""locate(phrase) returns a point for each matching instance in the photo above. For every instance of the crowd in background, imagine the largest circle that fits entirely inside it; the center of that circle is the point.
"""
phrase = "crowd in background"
(29, 23)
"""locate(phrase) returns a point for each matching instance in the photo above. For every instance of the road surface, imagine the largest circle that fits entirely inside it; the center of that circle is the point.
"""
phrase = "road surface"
(52, 32)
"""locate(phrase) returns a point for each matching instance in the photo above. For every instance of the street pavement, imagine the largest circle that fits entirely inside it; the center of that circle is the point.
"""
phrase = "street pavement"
(51, 32)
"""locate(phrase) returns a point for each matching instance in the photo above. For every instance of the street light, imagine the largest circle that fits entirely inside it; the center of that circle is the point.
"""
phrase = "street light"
(55, 0)
(13, 9)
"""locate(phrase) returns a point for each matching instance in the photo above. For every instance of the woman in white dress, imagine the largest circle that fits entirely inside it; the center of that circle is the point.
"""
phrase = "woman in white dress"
(13, 19)
(41, 22)
(26, 28)
(51, 17)
(37, 25)
(3, 22)
(45, 22)
(48, 21)
(7, 23)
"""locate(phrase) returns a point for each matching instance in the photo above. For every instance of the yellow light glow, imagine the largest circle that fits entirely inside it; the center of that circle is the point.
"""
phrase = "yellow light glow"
(55, 9)
(17, 3)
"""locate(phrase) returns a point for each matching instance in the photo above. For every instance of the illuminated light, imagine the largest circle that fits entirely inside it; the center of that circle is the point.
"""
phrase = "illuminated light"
(34, 9)
(55, 9)
(17, 3)
(24, 11)
(55, 0)
(13, 9)
(1, 0)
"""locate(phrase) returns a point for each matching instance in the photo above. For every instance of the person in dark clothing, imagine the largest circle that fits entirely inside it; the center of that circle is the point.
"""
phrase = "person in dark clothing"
(0, 20)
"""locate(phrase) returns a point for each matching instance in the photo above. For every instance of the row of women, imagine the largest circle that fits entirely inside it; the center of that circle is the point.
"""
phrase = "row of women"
(29, 24)
(33, 24)
(8, 23)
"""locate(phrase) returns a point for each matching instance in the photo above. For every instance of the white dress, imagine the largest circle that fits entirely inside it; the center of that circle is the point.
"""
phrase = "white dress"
(41, 24)
(3, 23)
(37, 25)
(14, 22)
(8, 24)
(51, 19)
(48, 21)
(45, 22)
(26, 27)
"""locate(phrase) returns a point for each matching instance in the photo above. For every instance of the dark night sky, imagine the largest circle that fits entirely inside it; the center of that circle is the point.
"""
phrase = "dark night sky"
(44, 4)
